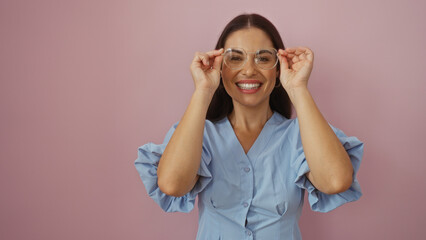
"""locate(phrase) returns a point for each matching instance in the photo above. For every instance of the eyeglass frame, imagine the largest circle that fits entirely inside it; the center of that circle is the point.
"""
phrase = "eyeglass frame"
(246, 59)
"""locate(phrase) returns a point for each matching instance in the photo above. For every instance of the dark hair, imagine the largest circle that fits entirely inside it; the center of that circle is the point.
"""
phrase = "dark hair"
(221, 104)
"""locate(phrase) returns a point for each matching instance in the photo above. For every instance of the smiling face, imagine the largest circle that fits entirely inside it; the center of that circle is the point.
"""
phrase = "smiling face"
(251, 40)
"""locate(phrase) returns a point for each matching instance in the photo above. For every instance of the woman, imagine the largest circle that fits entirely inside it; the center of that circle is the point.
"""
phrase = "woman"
(248, 162)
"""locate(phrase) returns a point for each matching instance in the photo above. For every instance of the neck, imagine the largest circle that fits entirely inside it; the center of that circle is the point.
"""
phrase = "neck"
(249, 118)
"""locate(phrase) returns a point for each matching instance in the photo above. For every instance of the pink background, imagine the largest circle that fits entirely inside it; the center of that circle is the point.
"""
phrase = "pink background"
(85, 83)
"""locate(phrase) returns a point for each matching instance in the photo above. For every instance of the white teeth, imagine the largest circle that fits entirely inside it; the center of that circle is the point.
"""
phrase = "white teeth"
(248, 85)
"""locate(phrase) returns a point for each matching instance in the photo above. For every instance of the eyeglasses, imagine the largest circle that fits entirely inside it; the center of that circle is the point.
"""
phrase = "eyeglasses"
(235, 58)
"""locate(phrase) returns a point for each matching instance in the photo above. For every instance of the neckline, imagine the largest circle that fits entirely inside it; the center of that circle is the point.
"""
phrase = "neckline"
(254, 147)
(273, 114)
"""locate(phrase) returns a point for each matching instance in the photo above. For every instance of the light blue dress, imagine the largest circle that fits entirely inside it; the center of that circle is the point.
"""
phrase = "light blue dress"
(266, 186)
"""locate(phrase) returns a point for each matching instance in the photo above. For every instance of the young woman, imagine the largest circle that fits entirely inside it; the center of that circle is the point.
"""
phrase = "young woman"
(238, 149)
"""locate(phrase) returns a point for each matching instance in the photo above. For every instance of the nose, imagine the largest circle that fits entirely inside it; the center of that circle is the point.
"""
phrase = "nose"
(249, 67)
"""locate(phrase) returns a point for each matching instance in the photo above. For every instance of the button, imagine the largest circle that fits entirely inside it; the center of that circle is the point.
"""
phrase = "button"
(248, 232)
(247, 169)
(245, 204)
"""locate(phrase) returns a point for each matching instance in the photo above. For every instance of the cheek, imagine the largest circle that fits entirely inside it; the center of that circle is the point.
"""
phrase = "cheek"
(227, 78)
(228, 88)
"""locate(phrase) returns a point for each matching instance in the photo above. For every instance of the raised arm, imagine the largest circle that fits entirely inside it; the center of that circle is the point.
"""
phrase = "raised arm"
(330, 167)
(179, 164)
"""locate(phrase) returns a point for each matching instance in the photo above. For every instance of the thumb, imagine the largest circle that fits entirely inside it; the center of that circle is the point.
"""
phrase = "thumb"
(283, 61)
(217, 62)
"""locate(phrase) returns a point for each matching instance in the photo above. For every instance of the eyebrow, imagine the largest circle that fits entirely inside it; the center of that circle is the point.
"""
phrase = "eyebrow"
(264, 50)
(236, 50)
(260, 51)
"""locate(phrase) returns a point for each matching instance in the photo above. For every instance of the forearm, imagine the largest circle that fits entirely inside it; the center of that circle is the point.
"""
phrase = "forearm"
(331, 169)
(180, 161)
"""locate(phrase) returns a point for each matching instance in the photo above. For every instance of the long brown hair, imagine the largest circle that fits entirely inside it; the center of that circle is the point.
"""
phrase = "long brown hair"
(221, 104)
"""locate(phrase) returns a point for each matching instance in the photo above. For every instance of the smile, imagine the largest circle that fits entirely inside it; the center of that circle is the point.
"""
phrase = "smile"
(248, 86)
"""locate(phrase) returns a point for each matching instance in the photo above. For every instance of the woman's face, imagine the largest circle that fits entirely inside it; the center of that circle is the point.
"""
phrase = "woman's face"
(250, 40)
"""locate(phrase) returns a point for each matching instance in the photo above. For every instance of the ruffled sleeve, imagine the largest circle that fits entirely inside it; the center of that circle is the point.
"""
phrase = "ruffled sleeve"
(319, 201)
(146, 164)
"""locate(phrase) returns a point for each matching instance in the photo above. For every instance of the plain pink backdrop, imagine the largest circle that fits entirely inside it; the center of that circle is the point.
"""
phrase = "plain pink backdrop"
(85, 83)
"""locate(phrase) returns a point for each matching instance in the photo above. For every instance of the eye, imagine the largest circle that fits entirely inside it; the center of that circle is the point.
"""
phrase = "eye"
(235, 58)
(263, 59)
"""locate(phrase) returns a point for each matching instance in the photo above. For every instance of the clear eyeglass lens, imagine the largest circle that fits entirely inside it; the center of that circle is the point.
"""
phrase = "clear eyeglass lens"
(265, 58)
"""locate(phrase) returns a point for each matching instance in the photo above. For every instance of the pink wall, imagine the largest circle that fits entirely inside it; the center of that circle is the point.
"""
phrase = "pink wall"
(84, 83)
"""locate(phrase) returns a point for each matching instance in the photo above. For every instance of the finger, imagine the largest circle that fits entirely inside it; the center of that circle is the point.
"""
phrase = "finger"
(303, 53)
(217, 62)
(282, 52)
(295, 59)
(309, 54)
(211, 58)
(204, 58)
(293, 56)
(217, 56)
(214, 52)
(296, 50)
(197, 61)
(290, 50)
(283, 62)
(290, 57)
(290, 63)
(210, 55)
(305, 49)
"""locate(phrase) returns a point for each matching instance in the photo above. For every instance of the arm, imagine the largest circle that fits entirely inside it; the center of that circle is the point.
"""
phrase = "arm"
(331, 169)
(180, 161)
(178, 166)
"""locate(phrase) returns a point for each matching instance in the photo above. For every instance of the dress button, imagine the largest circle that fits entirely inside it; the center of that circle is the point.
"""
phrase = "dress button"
(245, 204)
(248, 233)
(247, 169)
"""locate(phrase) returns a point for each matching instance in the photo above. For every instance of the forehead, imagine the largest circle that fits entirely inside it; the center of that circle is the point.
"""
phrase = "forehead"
(250, 39)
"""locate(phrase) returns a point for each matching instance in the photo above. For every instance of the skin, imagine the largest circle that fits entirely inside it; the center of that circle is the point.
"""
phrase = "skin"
(251, 111)
(331, 169)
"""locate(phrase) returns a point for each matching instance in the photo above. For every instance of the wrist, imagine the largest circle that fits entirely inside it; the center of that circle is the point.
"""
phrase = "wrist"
(299, 95)
(204, 92)
(202, 97)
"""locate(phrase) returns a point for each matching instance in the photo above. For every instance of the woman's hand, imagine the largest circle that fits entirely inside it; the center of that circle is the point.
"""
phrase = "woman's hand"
(295, 67)
(205, 70)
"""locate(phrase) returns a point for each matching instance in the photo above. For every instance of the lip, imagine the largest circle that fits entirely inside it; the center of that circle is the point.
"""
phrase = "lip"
(252, 81)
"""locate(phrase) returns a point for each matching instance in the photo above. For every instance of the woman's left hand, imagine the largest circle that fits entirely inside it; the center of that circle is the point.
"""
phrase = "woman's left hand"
(295, 67)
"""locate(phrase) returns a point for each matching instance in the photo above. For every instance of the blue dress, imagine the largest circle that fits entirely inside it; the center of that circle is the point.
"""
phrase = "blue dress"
(266, 186)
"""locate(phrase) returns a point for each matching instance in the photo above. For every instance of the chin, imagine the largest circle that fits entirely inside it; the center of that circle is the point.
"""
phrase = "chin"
(249, 101)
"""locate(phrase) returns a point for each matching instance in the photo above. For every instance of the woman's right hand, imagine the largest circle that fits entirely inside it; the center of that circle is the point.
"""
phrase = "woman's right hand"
(205, 70)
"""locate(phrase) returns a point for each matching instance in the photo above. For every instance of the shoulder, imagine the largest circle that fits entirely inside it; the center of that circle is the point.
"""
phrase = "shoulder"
(213, 131)
(283, 124)
(208, 125)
